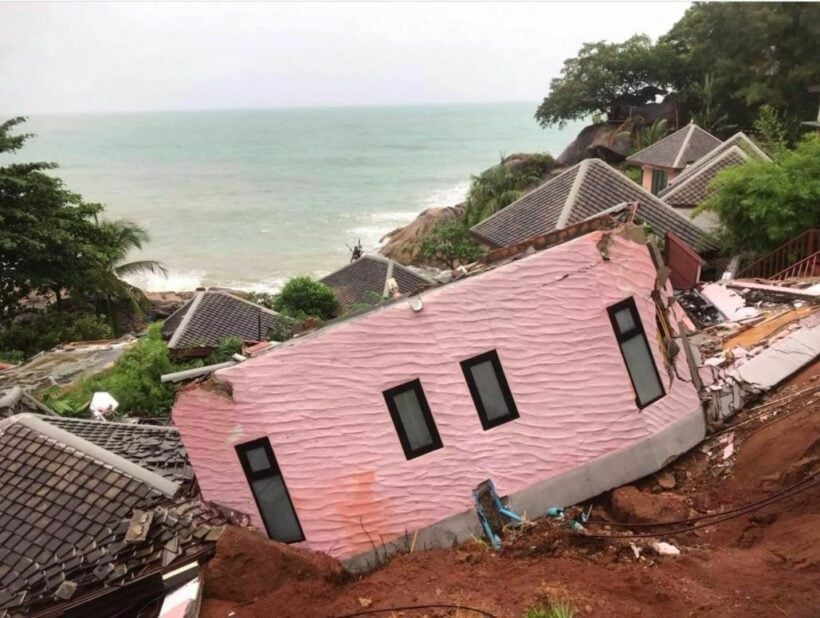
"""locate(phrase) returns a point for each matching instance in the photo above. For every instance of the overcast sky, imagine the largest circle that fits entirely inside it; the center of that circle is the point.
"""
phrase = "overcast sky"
(121, 57)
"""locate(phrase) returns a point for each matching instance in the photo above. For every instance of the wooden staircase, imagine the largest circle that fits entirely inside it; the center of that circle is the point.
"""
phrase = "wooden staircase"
(799, 257)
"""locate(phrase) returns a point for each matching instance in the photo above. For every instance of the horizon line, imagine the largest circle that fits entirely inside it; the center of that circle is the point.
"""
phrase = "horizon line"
(317, 106)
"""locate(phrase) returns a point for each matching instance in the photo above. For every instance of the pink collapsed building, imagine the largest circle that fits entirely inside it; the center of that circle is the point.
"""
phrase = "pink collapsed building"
(546, 374)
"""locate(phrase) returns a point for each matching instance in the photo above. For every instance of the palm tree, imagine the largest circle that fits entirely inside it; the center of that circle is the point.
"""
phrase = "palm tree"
(710, 115)
(120, 238)
(495, 189)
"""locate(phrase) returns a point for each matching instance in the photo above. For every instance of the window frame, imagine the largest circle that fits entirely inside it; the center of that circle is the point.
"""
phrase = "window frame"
(660, 180)
(466, 368)
(637, 329)
(427, 415)
(274, 470)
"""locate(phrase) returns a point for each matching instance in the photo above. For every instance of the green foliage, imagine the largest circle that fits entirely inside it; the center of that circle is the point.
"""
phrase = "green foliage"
(262, 298)
(502, 184)
(558, 609)
(227, 347)
(12, 356)
(51, 240)
(134, 380)
(303, 297)
(42, 331)
(771, 130)
(633, 72)
(761, 205)
(451, 244)
(754, 53)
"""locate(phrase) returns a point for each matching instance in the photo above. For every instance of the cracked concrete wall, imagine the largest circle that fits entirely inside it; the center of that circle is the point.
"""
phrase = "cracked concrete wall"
(320, 402)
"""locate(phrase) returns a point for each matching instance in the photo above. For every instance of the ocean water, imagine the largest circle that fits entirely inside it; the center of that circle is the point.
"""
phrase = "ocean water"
(248, 198)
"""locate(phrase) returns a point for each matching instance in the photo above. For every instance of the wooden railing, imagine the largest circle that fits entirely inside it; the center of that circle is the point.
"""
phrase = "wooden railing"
(789, 254)
(809, 267)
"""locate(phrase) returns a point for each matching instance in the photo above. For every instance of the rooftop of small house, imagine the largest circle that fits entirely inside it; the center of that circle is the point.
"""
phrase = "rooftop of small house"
(212, 315)
(90, 508)
(583, 191)
(694, 189)
(364, 281)
(677, 150)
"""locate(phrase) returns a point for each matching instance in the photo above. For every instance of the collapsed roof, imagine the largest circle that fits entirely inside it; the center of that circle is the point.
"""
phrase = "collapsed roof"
(677, 150)
(212, 315)
(364, 280)
(583, 191)
(78, 520)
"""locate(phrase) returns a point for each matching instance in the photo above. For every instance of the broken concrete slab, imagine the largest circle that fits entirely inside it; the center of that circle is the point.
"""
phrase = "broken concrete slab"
(781, 359)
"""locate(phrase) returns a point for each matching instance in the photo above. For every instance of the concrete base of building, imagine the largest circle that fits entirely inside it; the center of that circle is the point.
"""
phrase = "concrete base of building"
(572, 487)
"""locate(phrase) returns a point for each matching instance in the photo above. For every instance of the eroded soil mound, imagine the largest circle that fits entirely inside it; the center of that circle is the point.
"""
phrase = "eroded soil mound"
(248, 566)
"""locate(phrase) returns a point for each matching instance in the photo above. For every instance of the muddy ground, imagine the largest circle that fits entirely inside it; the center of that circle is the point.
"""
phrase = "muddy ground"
(764, 562)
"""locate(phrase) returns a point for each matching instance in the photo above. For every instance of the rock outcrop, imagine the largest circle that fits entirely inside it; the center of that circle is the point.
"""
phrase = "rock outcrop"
(404, 243)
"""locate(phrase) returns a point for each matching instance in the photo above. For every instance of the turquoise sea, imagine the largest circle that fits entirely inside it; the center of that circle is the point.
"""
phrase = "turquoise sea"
(248, 198)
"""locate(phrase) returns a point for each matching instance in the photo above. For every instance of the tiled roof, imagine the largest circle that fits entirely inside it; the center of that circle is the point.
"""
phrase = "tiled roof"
(363, 280)
(739, 140)
(212, 315)
(583, 191)
(694, 189)
(68, 520)
(159, 449)
(677, 150)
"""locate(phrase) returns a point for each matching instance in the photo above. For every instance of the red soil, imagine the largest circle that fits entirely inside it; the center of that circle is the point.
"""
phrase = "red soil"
(764, 563)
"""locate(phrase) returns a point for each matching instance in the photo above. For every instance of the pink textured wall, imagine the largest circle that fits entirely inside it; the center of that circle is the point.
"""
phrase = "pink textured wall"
(320, 400)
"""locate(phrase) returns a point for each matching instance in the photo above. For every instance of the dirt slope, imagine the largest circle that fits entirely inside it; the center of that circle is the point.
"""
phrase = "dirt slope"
(762, 563)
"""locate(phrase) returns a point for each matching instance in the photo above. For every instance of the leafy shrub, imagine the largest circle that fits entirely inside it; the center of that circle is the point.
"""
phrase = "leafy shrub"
(262, 298)
(303, 297)
(42, 331)
(228, 346)
(451, 244)
(134, 380)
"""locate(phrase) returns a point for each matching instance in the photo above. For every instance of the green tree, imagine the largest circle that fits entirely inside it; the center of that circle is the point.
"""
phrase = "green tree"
(633, 72)
(771, 130)
(756, 53)
(51, 240)
(763, 204)
(708, 112)
(303, 297)
(450, 244)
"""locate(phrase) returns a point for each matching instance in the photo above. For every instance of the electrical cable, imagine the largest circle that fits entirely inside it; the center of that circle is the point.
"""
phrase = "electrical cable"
(366, 612)
(762, 502)
(717, 520)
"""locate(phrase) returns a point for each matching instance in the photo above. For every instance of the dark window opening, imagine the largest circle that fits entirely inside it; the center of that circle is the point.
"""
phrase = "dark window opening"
(659, 181)
(269, 491)
(489, 389)
(646, 382)
(412, 418)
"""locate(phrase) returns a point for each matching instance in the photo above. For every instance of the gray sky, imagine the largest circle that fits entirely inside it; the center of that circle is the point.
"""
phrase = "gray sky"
(119, 57)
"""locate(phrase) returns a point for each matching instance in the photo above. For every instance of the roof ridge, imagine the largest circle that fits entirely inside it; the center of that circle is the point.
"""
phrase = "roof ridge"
(706, 166)
(382, 259)
(88, 421)
(683, 146)
(537, 189)
(652, 145)
(186, 319)
(92, 451)
(583, 166)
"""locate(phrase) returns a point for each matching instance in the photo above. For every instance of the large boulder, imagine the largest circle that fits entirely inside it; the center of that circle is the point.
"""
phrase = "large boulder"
(403, 244)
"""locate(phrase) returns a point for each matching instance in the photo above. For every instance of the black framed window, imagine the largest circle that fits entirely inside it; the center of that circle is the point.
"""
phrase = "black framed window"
(636, 353)
(488, 386)
(269, 491)
(412, 418)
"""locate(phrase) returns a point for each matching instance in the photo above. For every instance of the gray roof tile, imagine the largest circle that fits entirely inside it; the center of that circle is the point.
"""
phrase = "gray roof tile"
(694, 189)
(212, 315)
(595, 188)
(64, 514)
(739, 140)
(363, 280)
(677, 150)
